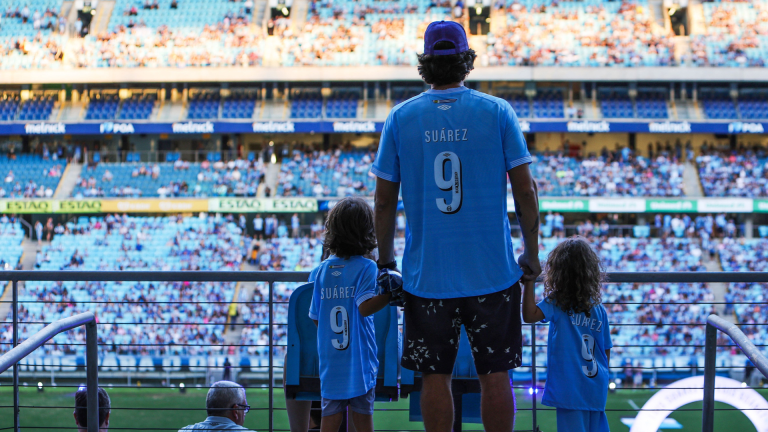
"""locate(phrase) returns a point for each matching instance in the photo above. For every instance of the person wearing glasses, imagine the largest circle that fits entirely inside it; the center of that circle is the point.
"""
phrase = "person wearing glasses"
(226, 405)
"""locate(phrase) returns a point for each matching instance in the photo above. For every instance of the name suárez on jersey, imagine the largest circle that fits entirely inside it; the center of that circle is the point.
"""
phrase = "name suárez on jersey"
(590, 323)
(446, 135)
(337, 292)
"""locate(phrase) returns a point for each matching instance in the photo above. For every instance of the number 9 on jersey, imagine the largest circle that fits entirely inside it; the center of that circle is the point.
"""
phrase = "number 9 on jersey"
(453, 183)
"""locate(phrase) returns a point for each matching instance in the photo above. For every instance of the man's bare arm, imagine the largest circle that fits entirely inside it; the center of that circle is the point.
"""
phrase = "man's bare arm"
(526, 198)
(385, 211)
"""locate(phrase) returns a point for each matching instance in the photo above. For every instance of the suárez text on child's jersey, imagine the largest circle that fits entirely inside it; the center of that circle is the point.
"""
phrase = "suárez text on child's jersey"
(337, 292)
(590, 323)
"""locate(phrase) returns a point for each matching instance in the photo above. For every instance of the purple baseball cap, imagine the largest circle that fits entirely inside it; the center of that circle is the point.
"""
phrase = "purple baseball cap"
(445, 31)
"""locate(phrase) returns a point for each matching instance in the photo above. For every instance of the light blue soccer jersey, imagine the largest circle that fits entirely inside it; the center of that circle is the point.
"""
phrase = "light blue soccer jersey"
(451, 150)
(346, 342)
(577, 367)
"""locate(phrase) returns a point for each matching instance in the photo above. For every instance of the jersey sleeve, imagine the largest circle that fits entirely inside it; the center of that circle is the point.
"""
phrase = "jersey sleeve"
(314, 306)
(548, 309)
(515, 149)
(387, 163)
(367, 288)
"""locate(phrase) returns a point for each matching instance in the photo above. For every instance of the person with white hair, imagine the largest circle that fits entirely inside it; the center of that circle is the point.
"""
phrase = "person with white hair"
(226, 406)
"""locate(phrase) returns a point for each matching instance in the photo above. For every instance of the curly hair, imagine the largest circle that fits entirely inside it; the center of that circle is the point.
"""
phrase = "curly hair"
(349, 229)
(574, 276)
(442, 70)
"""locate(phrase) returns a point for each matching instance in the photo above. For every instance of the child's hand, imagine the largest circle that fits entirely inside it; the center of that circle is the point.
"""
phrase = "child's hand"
(390, 281)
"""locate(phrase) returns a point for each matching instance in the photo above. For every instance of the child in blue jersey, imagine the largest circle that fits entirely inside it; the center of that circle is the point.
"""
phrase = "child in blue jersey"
(579, 342)
(343, 305)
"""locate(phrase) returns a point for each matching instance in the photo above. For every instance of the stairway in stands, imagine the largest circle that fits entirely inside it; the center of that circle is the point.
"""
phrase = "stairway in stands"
(28, 259)
(68, 181)
(691, 181)
(100, 22)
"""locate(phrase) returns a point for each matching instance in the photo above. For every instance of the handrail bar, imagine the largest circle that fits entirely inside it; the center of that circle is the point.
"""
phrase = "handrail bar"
(715, 323)
(297, 276)
(38, 339)
(88, 319)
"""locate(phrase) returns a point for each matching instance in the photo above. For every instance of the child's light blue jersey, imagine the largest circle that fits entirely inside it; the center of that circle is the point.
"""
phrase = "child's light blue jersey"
(577, 367)
(451, 150)
(346, 344)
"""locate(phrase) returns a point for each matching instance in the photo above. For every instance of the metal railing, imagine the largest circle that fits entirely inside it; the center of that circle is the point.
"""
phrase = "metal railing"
(12, 357)
(271, 277)
(715, 323)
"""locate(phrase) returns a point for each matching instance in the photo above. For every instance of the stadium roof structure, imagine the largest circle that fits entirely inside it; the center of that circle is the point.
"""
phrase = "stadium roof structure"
(377, 73)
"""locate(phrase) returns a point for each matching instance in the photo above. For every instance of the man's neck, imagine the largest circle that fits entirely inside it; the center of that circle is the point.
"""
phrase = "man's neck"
(448, 86)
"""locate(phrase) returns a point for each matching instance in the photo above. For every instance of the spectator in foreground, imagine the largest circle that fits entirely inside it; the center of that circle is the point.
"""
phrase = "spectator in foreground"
(226, 405)
(579, 338)
(81, 409)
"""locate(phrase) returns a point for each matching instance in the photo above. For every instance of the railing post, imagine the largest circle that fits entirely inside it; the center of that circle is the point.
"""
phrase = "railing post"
(533, 374)
(16, 425)
(271, 354)
(92, 376)
(710, 357)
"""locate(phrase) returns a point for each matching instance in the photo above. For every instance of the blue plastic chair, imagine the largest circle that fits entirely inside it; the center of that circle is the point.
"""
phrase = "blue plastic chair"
(302, 375)
(641, 231)
(763, 230)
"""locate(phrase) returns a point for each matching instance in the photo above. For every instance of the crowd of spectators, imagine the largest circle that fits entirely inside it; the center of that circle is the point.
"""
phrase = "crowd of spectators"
(617, 173)
(29, 177)
(320, 173)
(346, 32)
(133, 317)
(734, 35)
(237, 177)
(739, 173)
(747, 302)
(576, 34)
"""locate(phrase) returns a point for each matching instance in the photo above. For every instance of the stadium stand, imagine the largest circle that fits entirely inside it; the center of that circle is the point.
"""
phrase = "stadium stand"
(8, 108)
(166, 179)
(306, 104)
(622, 174)
(102, 107)
(29, 176)
(36, 108)
(239, 105)
(651, 105)
(138, 107)
(550, 33)
(278, 254)
(342, 105)
(616, 104)
(746, 301)
(549, 104)
(753, 105)
(10, 249)
(127, 243)
(733, 36)
(733, 174)
(204, 105)
(322, 174)
(717, 104)
(519, 103)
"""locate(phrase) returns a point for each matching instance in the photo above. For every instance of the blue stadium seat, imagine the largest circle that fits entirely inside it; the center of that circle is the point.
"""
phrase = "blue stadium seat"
(763, 230)
(641, 231)
(302, 378)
